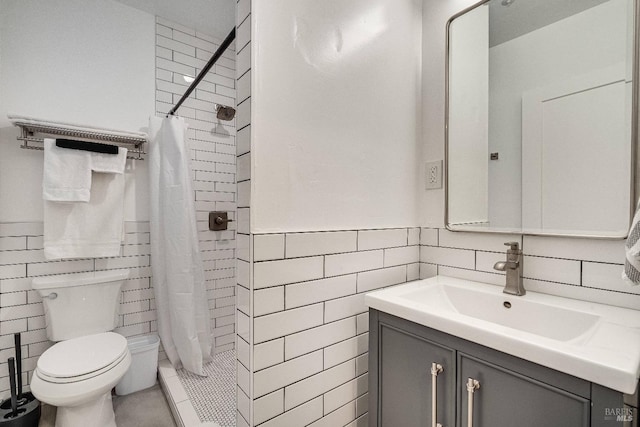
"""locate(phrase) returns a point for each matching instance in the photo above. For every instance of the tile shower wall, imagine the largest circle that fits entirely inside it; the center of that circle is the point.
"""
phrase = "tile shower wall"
(21, 310)
(575, 268)
(182, 52)
(310, 323)
(243, 176)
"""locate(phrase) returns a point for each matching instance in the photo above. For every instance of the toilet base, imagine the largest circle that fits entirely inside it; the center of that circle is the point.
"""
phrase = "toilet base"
(99, 411)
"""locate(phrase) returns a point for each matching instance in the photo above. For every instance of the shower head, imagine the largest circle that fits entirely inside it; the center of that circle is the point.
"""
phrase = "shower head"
(224, 112)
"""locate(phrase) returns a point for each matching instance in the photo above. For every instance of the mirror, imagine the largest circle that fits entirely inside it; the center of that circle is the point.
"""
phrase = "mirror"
(540, 137)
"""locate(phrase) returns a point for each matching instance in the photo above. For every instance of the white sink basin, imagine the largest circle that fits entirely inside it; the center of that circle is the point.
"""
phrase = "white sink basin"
(536, 317)
(595, 342)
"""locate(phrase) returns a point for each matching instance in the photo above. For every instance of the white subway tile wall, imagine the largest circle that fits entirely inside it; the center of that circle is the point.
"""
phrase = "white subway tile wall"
(272, 248)
(182, 52)
(307, 244)
(310, 323)
(586, 269)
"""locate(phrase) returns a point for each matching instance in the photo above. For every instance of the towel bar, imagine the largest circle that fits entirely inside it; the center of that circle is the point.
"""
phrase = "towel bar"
(133, 143)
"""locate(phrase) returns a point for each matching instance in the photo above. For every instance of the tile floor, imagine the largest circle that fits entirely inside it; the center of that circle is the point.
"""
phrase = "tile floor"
(216, 405)
(214, 397)
(145, 408)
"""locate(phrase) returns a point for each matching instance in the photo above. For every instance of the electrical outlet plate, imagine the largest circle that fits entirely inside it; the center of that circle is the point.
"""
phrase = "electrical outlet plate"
(433, 175)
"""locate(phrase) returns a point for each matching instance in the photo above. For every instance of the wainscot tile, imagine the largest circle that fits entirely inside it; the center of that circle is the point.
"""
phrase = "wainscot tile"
(551, 269)
(379, 239)
(271, 273)
(319, 337)
(446, 256)
(332, 242)
(278, 376)
(287, 322)
(268, 247)
(353, 262)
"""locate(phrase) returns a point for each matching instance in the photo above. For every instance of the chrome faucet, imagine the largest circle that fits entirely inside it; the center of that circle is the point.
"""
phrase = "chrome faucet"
(512, 267)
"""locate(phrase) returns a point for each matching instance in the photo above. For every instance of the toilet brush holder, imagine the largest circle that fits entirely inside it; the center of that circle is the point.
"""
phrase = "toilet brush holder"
(27, 412)
(21, 409)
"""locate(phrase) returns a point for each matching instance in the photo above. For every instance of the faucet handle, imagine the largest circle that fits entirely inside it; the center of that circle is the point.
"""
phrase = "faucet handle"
(515, 246)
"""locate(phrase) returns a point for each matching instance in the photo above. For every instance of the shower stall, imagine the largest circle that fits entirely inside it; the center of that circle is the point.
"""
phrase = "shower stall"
(207, 108)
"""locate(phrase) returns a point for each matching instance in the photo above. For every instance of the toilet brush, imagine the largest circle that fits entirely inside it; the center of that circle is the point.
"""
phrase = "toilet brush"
(12, 385)
(20, 399)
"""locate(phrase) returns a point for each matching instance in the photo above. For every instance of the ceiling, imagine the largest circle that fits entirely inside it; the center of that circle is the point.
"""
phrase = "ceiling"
(213, 17)
(217, 17)
(524, 16)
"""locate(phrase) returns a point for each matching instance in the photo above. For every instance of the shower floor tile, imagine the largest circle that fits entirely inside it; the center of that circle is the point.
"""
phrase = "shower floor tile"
(214, 397)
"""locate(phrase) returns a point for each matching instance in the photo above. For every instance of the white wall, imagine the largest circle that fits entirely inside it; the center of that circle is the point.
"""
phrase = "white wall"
(87, 62)
(594, 38)
(335, 114)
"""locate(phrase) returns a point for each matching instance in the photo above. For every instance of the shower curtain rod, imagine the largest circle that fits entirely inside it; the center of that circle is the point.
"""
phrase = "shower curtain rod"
(225, 44)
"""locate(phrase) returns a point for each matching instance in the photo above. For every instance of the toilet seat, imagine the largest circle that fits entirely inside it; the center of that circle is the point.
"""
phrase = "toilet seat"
(82, 358)
(64, 380)
(74, 393)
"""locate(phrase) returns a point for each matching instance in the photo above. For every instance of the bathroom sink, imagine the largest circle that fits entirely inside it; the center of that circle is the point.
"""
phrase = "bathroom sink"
(527, 315)
(595, 342)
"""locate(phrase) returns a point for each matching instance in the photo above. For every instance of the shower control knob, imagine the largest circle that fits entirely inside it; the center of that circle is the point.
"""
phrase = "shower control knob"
(218, 221)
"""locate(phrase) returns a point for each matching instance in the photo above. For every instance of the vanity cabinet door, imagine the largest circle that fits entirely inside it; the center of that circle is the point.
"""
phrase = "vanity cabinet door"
(405, 380)
(508, 399)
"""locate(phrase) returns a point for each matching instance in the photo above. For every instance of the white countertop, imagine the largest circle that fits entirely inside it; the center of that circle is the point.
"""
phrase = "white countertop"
(595, 342)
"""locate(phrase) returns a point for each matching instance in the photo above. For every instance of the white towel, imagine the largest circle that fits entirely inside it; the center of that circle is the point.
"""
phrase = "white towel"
(631, 272)
(109, 163)
(87, 230)
(66, 174)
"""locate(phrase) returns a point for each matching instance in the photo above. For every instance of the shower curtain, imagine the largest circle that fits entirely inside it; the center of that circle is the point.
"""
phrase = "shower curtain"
(177, 272)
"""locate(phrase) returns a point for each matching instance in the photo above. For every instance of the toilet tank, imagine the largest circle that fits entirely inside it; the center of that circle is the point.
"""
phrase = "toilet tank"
(80, 304)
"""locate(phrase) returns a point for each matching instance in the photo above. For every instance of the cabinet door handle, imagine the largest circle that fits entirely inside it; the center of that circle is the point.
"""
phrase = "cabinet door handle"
(472, 386)
(436, 368)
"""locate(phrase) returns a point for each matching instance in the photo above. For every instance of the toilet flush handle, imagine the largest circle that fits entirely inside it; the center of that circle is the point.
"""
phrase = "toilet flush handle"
(52, 295)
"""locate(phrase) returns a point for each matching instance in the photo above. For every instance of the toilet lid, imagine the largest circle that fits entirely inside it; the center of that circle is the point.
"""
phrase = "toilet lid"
(83, 355)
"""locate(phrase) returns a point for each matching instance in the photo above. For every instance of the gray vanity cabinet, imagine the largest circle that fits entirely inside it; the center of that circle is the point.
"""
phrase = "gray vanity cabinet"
(405, 372)
(507, 398)
(512, 392)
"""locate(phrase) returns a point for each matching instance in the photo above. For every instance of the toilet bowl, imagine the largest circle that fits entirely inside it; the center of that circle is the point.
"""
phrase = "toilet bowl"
(78, 372)
(77, 376)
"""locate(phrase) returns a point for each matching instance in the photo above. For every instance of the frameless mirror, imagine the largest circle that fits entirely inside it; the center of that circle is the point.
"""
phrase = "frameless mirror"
(540, 136)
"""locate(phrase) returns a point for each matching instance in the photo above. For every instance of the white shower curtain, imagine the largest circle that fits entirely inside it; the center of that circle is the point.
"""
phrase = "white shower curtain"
(178, 275)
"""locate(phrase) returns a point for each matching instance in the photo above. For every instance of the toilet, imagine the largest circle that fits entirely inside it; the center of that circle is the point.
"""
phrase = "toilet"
(78, 372)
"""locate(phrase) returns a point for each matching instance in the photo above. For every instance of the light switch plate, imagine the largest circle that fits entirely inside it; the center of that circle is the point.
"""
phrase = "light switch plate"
(433, 175)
